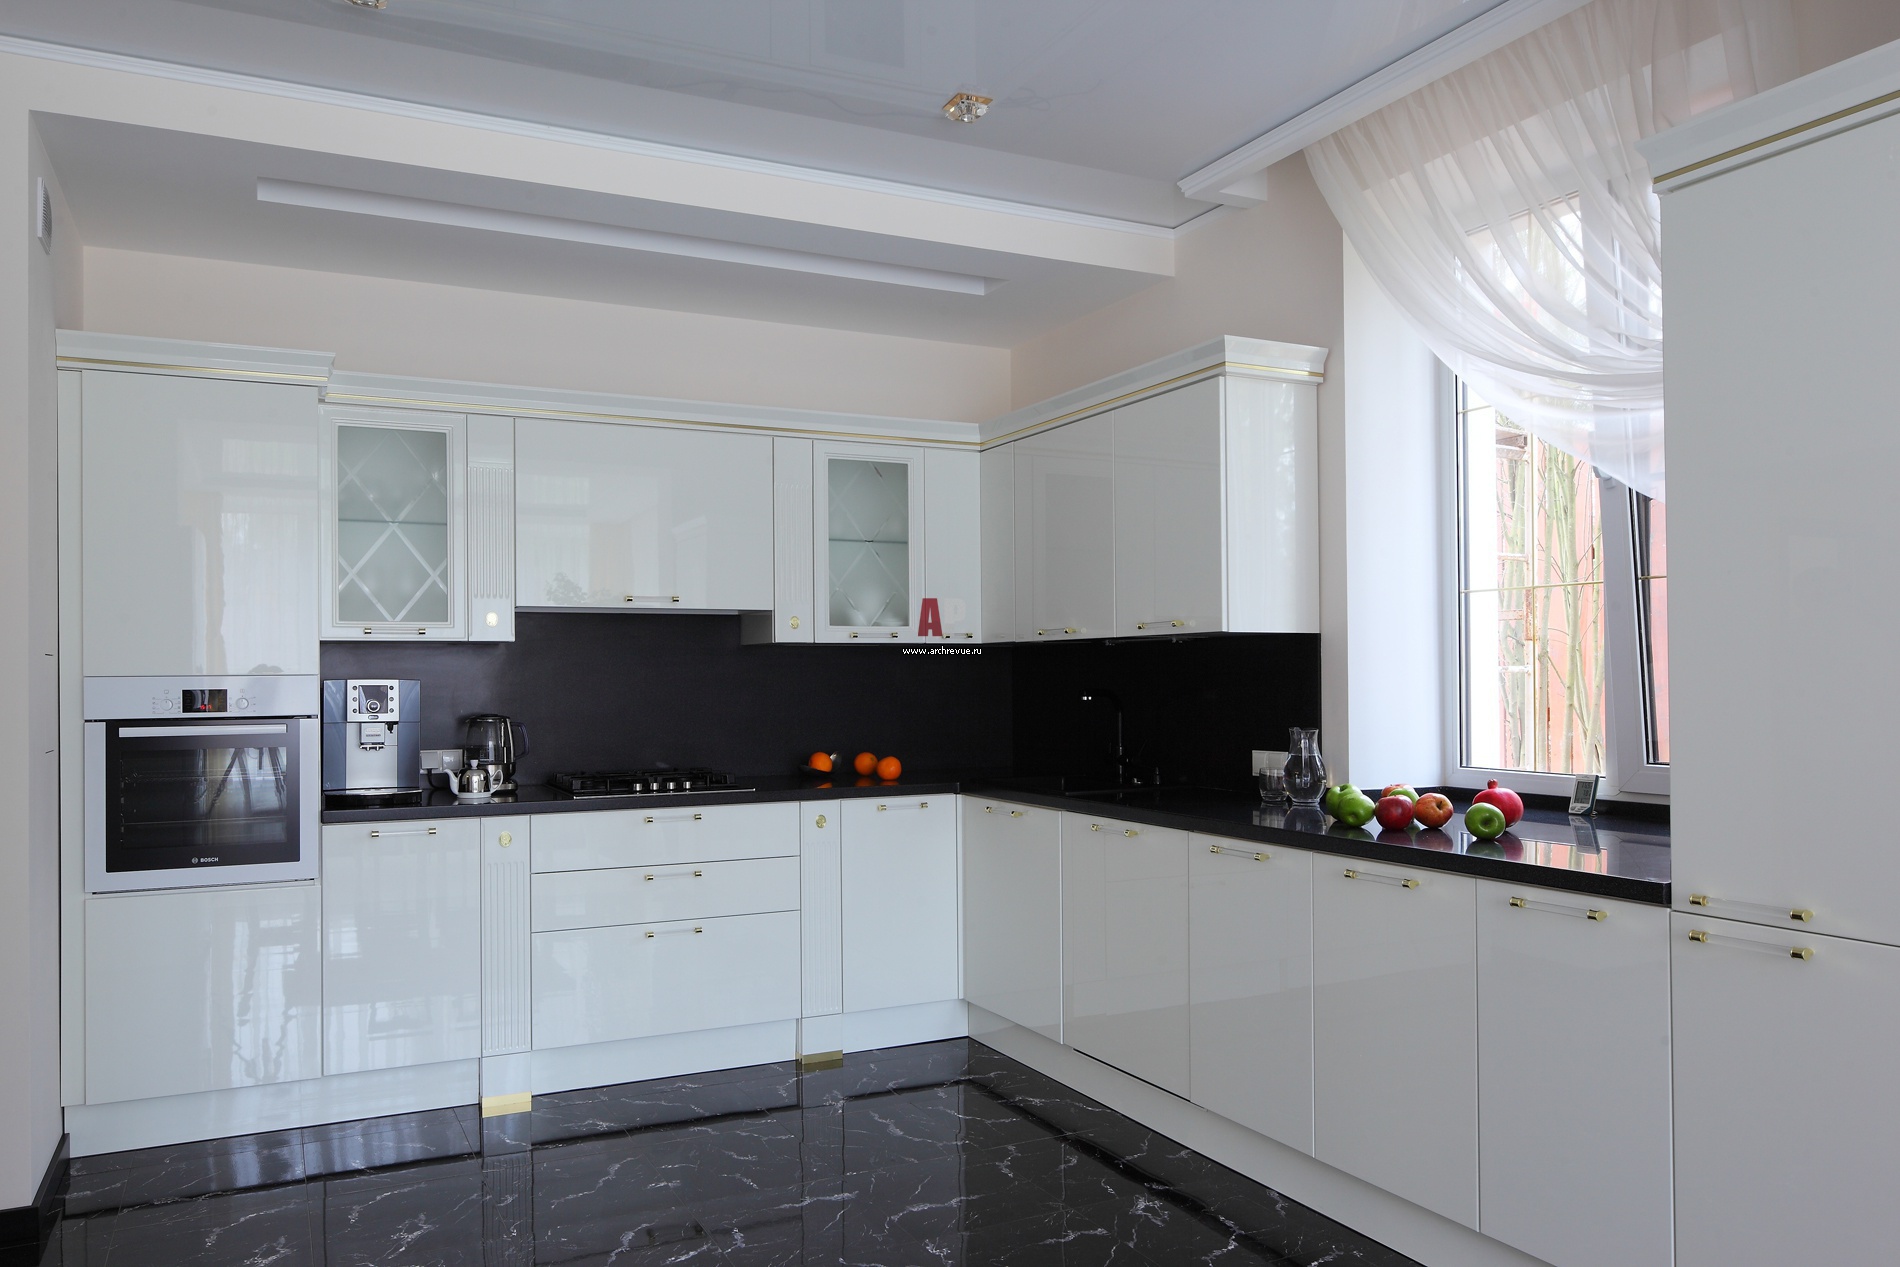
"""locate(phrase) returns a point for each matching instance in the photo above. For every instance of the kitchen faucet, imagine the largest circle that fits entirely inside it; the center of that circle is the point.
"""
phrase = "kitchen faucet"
(1122, 778)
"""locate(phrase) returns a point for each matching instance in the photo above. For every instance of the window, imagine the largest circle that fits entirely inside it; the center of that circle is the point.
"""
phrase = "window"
(1562, 615)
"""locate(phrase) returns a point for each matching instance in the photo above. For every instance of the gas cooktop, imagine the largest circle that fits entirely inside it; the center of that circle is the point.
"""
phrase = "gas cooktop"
(644, 782)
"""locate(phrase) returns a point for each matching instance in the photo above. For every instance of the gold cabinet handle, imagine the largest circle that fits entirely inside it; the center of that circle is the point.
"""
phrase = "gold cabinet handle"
(1066, 629)
(1798, 914)
(1558, 908)
(1257, 855)
(1130, 831)
(820, 821)
(1016, 813)
(989, 809)
(505, 839)
(795, 622)
(1169, 624)
(676, 818)
(920, 805)
(1702, 937)
(1402, 882)
(377, 832)
(1095, 827)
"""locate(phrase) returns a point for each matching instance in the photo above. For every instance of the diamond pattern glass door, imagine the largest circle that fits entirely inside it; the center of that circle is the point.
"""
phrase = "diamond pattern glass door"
(392, 529)
(869, 506)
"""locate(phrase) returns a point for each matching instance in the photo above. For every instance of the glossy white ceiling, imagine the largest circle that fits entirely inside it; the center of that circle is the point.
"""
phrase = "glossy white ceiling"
(1101, 105)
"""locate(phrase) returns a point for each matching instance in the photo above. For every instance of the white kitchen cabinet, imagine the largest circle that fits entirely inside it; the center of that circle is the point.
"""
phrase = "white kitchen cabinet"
(402, 943)
(790, 619)
(1573, 1086)
(646, 895)
(635, 518)
(1167, 477)
(1785, 1099)
(201, 989)
(201, 524)
(395, 553)
(1395, 1031)
(997, 533)
(663, 836)
(1065, 532)
(594, 985)
(491, 529)
(1250, 985)
(868, 538)
(1125, 947)
(900, 919)
(953, 541)
(1012, 912)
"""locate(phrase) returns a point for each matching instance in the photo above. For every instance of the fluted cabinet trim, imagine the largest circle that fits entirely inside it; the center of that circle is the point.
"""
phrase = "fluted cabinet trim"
(506, 876)
(821, 888)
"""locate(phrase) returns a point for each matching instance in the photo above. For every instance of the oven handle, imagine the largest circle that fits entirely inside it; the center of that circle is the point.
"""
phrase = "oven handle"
(193, 732)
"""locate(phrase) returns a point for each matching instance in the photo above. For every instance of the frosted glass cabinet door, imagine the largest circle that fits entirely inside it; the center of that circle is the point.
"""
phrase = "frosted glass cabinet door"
(1168, 575)
(1125, 947)
(868, 541)
(200, 514)
(395, 488)
(1065, 531)
(633, 518)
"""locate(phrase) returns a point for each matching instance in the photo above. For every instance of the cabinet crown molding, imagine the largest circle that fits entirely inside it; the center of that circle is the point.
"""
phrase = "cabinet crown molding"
(137, 354)
(1230, 354)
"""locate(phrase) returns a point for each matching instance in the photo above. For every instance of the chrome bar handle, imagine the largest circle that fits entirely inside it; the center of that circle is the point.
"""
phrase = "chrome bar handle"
(1260, 855)
(653, 598)
(1400, 882)
(673, 875)
(376, 832)
(919, 805)
(1557, 908)
(674, 818)
(1704, 938)
(668, 932)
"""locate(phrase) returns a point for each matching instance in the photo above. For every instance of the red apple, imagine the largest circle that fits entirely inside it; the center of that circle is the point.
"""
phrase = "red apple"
(1393, 812)
(1434, 809)
(1508, 802)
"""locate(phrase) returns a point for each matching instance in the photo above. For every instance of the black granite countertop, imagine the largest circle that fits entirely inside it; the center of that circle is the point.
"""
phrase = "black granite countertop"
(1605, 855)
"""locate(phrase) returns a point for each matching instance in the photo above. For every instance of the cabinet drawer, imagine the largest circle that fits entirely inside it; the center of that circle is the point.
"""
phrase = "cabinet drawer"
(664, 836)
(595, 985)
(643, 895)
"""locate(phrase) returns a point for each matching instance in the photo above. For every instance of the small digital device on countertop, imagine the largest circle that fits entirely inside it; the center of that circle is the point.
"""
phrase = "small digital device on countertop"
(1584, 799)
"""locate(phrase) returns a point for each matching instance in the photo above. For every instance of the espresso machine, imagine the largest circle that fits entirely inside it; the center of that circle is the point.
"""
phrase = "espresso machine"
(372, 742)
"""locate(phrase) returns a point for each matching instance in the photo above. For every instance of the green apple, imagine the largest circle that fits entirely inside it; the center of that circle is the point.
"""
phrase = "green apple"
(1356, 809)
(1329, 801)
(1486, 822)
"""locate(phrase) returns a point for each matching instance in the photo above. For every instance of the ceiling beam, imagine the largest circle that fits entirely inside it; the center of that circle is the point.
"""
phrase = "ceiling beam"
(1231, 178)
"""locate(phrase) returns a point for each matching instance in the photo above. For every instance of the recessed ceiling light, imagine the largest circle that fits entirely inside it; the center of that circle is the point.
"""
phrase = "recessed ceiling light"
(966, 107)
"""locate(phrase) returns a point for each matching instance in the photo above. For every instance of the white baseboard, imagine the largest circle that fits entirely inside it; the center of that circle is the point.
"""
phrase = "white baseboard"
(901, 1026)
(176, 1119)
(1393, 1221)
(662, 1056)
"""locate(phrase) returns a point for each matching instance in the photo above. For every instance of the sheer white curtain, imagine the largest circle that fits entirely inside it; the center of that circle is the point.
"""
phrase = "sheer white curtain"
(1505, 209)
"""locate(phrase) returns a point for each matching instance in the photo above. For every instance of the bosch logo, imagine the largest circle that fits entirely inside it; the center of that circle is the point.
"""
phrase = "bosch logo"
(197, 861)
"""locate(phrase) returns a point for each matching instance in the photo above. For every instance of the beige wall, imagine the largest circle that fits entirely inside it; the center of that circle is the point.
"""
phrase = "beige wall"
(1830, 31)
(383, 326)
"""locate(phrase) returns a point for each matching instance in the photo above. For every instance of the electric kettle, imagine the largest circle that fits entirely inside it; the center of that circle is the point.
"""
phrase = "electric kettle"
(495, 743)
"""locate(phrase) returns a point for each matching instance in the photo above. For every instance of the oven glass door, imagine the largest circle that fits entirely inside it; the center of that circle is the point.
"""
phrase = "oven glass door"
(201, 794)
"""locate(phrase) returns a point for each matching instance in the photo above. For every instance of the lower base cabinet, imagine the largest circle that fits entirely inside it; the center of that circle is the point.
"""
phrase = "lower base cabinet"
(596, 985)
(1250, 984)
(1787, 1106)
(1395, 1031)
(1012, 912)
(1125, 947)
(202, 989)
(1573, 1088)
(901, 930)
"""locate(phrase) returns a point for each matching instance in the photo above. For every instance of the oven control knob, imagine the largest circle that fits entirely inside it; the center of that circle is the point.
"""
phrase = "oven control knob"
(243, 702)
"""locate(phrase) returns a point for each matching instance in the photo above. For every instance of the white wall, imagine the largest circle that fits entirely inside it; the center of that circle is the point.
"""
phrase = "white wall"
(1385, 687)
(1830, 31)
(379, 325)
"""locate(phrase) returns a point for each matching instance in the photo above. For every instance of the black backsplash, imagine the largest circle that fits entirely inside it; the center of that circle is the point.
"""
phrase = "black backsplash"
(1194, 707)
(603, 691)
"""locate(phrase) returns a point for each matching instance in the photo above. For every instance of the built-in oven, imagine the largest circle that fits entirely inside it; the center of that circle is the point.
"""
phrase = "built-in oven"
(201, 780)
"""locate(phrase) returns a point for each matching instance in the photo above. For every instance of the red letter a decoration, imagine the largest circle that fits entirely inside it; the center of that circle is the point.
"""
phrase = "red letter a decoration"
(929, 619)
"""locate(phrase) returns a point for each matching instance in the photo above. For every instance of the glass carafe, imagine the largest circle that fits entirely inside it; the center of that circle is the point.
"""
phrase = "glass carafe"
(1305, 768)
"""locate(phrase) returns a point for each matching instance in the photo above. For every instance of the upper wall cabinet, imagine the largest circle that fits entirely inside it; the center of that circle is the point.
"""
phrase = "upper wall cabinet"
(637, 518)
(1158, 507)
(199, 509)
(395, 558)
(868, 540)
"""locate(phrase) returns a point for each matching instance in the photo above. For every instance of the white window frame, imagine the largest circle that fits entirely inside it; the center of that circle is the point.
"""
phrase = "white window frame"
(1629, 774)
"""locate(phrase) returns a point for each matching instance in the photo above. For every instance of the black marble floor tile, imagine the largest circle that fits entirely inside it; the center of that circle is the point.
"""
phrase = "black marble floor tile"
(940, 1155)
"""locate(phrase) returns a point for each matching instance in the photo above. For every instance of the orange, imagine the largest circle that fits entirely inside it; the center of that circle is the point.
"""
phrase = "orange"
(889, 768)
(865, 763)
(819, 761)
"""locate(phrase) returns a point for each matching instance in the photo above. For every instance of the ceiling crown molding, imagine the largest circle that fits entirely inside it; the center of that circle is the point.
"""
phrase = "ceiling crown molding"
(1232, 178)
